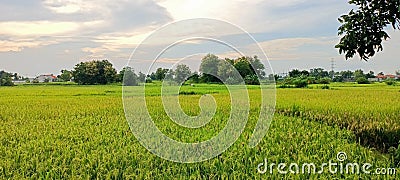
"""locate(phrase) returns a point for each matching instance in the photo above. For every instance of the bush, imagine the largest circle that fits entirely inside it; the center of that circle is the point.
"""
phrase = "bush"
(390, 82)
(252, 80)
(149, 80)
(5, 79)
(325, 87)
(362, 80)
(324, 81)
(300, 83)
(284, 86)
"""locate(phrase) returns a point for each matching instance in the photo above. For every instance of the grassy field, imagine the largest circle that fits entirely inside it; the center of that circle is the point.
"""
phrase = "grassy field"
(56, 131)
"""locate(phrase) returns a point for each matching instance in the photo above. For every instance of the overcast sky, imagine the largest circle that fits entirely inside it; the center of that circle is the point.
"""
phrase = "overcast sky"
(40, 37)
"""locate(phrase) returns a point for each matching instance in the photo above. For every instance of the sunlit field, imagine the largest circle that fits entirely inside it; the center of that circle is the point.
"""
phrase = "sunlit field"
(69, 131)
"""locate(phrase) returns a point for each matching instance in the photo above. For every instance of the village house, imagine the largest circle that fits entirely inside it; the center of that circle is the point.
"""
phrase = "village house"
(46, 78)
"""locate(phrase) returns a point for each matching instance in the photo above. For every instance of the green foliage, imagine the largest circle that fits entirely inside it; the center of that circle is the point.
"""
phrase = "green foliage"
(129, 77)
(363, 29)
(159, 74)
(65, 75)
(325, 80)
(362, 80)
(149, 80)
(300, 83)
(94, 72)
(141, 77)
(251, 80)
(325, 87)
(182, 73)
(249, 68)
(359, 74)
(209, 68)
(5, 79)
(390, 82)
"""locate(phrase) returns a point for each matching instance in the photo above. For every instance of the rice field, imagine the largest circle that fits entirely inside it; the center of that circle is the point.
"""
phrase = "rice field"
(80, 132)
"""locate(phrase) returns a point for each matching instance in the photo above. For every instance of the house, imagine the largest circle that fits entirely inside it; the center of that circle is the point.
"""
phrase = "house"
(388, 76)
(46, 78)
(373, 79)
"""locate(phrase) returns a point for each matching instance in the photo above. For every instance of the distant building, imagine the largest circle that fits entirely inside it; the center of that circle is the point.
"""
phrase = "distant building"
(46, 78)
(373, 79)
(19, 81)
(388, 76)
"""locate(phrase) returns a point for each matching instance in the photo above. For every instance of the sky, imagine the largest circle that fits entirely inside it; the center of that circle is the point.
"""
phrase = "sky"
(44, 37)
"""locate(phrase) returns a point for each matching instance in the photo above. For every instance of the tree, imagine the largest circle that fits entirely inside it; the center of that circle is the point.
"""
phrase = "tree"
(129, 77)
(362, 80)
(243, 65)
(65, 75)
(182, 72)
(257, 67)
(209, 68)
(371, 74)
(363, 29)
(94, 72)
(141, 77)
(226, 70)
(5, 79)
(160, 74)
(294, 73)
(359, 74)
(319, 73)
(347, 74)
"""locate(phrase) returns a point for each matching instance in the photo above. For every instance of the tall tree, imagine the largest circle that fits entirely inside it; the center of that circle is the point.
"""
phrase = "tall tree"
(141, 77)
(94, 72)
(5, 79)
(359, 74)
(225, 69)
(294, 73)
(363, 29)
(182, 72)
(209, 68)
(65, 75)
(160, 74)
(129, 77)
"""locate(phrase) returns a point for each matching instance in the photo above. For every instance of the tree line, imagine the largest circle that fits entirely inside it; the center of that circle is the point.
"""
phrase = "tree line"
(302, 78)
(212, 70)
(248, 70)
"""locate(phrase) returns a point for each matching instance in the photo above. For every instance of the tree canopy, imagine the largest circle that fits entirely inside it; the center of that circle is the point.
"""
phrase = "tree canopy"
(5, 79)
(94, 72)
(362, 30)
(249, 68)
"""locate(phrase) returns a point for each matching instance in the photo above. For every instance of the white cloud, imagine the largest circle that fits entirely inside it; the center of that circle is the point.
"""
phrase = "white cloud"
(36, 28)
(19, 45)
(289, 48)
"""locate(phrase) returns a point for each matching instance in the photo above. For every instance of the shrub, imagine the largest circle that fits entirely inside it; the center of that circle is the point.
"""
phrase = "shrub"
(362, 80)
(324, 81)
(325, 87)
(300, 83)
(390, 82)
(251, 80)
(149, 80)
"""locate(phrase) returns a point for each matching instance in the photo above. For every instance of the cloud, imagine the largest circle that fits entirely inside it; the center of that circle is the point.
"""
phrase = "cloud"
(37, 28)
(19, 45)
(298, 48)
